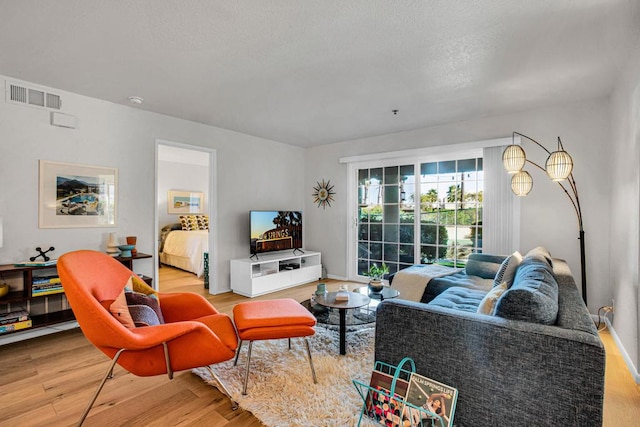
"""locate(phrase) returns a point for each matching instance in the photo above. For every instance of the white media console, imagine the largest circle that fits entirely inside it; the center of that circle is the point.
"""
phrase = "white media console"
(271, 272)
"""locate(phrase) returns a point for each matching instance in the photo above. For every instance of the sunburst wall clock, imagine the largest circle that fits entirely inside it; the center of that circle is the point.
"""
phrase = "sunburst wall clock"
(323, 194)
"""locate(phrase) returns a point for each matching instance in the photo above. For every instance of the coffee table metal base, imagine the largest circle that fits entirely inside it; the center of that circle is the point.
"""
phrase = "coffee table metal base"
(355, 301)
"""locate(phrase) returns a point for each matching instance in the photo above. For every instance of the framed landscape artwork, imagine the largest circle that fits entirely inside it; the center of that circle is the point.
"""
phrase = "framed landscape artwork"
(181, 202)
(75, 196)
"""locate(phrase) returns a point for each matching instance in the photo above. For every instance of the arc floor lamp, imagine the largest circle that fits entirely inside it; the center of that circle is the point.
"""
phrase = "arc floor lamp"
(558, 167)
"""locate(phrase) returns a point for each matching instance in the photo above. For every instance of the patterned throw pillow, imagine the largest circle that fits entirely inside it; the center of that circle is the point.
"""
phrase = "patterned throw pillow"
(136, 284)
(488, 303)
(119, 309)
(507, 270)
(145, 310)
(203, 222)
(189, 222)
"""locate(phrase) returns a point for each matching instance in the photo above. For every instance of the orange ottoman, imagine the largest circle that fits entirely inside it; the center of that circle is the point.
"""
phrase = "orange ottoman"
(270, 320)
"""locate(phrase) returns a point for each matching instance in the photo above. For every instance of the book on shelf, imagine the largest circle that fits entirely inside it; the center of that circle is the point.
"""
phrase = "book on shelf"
(46, 283)
(45, 280)
(14, 316)
(432, 397)
(36, 263)
(46, 287)
(16, 326)
(49, 291)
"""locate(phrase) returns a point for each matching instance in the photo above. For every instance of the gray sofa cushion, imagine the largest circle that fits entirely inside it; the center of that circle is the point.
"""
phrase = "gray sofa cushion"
(461, 279)
(533, 297)
(462, 299)
(483, 265)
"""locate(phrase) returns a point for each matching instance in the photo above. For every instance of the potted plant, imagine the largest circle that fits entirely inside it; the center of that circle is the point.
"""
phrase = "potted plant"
(376, 275)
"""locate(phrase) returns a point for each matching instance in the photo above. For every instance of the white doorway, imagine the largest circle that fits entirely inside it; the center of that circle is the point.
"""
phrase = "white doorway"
(182, 167)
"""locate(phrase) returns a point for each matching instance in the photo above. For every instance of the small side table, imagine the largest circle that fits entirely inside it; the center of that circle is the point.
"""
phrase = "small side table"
(356, 300)
(128, 261)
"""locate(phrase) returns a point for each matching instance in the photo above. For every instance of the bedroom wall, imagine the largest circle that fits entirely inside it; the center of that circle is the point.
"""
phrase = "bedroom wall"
(253, 173)
(624, 204)
(181, 177)
(547, 217)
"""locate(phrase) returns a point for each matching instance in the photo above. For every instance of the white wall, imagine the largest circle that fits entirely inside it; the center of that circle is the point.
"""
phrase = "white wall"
(253, 173)
(624, 204)
(547, 217)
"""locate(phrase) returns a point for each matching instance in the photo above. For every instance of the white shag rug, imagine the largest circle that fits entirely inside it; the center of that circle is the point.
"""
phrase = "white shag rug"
(281, 392)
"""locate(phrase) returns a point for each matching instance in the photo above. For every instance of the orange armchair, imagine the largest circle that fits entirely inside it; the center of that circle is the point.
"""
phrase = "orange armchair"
(194, 334)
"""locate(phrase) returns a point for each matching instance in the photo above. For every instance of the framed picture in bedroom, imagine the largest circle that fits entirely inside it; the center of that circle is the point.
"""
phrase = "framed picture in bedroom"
(76, 196)
(181, 202)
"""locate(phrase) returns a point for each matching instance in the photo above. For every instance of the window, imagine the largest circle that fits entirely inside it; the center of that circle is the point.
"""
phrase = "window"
(404, 220)
(450, 210)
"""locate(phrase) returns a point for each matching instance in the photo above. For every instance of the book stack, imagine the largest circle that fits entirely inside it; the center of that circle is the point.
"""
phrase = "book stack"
(46, 285)
(14, 321)
(342, 295)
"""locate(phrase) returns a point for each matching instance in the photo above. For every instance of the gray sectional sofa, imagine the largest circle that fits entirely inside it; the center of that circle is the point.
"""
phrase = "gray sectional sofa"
(536, 360)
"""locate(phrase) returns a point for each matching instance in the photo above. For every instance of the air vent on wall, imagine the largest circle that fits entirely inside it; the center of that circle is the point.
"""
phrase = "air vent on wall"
(36, 97)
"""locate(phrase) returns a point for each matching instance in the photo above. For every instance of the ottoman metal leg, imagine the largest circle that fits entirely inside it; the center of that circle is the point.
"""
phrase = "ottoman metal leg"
(313, 370)
(246, 372)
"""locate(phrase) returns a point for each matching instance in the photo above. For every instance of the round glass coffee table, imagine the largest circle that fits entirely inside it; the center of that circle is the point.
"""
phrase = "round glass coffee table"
(356, 300)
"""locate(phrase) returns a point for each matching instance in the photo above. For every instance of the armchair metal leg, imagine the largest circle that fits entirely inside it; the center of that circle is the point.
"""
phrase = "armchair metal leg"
(109, 374)
(166, 358)
(235, 362)
(223, 389)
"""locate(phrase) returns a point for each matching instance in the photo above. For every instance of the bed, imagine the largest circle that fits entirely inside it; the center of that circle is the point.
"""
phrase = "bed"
(184, 249)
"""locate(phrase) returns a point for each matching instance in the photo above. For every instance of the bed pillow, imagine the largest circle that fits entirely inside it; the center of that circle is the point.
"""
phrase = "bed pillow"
(203, 222)
(189, 222)
(507, 270)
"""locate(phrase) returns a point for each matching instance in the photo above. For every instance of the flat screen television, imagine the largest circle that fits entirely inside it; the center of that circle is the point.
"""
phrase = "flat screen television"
(275, 231)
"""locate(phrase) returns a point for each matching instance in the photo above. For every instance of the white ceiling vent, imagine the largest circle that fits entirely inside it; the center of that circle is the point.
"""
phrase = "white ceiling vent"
(31, 95)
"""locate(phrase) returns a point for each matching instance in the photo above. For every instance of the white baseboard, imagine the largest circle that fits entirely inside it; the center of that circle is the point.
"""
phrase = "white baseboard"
(627, 360)
(333, 276)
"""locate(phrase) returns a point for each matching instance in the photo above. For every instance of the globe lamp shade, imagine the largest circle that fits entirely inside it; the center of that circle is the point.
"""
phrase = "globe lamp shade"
(513, 158)
(559, 165)
(521, 183)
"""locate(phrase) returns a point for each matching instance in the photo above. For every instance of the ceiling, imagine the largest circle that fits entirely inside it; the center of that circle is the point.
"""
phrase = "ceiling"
(315, 72)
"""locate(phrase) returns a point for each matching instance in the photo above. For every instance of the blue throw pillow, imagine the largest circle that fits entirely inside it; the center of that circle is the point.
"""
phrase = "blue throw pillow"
(533, 296)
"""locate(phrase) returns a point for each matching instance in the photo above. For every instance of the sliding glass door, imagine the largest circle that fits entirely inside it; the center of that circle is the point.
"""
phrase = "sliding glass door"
(416, 213)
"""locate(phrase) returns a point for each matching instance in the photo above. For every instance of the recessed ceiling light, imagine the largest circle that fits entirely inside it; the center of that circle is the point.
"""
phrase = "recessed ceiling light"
(136, 100)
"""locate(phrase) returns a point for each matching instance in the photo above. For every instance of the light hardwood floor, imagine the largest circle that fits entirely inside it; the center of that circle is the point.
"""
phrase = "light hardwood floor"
(48, 380)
